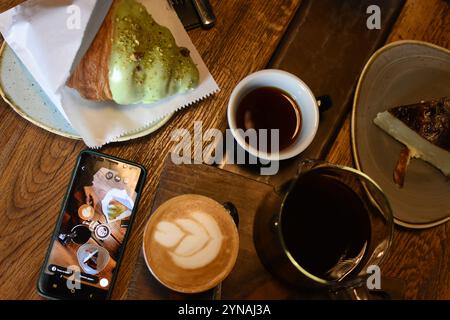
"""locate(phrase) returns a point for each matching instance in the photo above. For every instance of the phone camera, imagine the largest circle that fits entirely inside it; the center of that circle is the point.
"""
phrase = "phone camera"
(117, 179)
(109, 175)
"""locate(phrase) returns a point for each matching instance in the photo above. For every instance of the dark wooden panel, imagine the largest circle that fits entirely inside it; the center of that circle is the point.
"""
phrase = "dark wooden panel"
(327, 45)
(249, 279)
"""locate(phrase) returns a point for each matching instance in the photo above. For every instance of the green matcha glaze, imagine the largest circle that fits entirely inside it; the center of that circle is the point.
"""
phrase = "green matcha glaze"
(146, 64)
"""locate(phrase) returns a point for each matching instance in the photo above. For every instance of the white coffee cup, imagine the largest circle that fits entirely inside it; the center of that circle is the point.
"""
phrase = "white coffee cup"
(298, 91)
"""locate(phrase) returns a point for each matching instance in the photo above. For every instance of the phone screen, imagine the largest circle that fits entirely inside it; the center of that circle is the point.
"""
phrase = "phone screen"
(89, 239)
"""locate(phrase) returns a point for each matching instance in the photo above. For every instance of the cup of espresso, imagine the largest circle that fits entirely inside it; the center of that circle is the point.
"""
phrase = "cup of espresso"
(191, 243)
(282, 104)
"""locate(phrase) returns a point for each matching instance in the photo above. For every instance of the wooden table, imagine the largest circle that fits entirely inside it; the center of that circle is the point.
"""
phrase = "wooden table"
(35, 165)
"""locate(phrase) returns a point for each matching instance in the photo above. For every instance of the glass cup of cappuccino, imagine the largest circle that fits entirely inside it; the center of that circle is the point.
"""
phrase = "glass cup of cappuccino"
(191, 243)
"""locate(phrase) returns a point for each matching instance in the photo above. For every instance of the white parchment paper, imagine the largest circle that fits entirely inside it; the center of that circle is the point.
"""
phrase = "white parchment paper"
(42, 34)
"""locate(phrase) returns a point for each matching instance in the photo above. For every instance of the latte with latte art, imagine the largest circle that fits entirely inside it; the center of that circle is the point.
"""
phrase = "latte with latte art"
(191, 243)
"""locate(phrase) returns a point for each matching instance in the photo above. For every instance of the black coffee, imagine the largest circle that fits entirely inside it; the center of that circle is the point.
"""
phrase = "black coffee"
(324, 222)
(271, 108)
(81, 234)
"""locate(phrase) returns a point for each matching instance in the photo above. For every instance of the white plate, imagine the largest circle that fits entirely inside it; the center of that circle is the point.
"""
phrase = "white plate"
(24, 95)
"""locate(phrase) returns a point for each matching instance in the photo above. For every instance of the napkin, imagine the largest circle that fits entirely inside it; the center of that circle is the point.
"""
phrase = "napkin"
(50, 37)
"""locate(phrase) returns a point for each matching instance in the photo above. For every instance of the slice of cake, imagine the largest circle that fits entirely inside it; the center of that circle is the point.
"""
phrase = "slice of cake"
(424, 128)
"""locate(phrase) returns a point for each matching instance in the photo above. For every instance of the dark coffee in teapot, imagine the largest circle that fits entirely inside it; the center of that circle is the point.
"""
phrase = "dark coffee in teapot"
(325, 226)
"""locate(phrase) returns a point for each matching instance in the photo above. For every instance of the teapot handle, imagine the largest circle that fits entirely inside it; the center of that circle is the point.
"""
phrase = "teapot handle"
(307, 164)
(356, 289)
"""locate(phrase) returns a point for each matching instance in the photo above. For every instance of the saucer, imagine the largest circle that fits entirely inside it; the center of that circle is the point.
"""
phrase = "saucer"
(24, 95)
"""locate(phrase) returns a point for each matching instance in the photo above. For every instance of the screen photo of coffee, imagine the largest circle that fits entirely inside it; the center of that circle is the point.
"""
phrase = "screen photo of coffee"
(95, 221)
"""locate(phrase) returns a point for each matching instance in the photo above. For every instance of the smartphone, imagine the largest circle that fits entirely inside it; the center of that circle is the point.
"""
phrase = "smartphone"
(92, 230)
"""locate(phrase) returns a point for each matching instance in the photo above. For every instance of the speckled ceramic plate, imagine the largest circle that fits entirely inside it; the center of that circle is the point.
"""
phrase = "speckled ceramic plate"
(23, 94)
(398, 74)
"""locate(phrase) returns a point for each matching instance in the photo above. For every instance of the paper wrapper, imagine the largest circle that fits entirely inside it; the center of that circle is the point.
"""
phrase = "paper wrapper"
(43, 36)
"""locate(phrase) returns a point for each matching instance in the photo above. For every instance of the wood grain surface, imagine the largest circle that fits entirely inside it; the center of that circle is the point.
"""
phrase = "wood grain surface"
(249, 277)
(256, 203)
(324, 52)
(420, 258)
(35, 165)
(8, 4)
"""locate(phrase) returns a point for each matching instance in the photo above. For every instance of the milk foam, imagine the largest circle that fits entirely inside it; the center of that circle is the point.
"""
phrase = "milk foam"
(193, 242)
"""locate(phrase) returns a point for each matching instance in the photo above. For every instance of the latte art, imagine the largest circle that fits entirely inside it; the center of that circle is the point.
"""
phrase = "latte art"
(194, 242)
(191, 243)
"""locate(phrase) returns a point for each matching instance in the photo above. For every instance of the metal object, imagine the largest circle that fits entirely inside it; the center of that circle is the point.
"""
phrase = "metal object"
(194, 13)
(205, 12)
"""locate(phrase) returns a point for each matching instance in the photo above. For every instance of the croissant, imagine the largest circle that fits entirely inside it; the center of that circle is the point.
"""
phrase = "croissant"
(133, 60)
